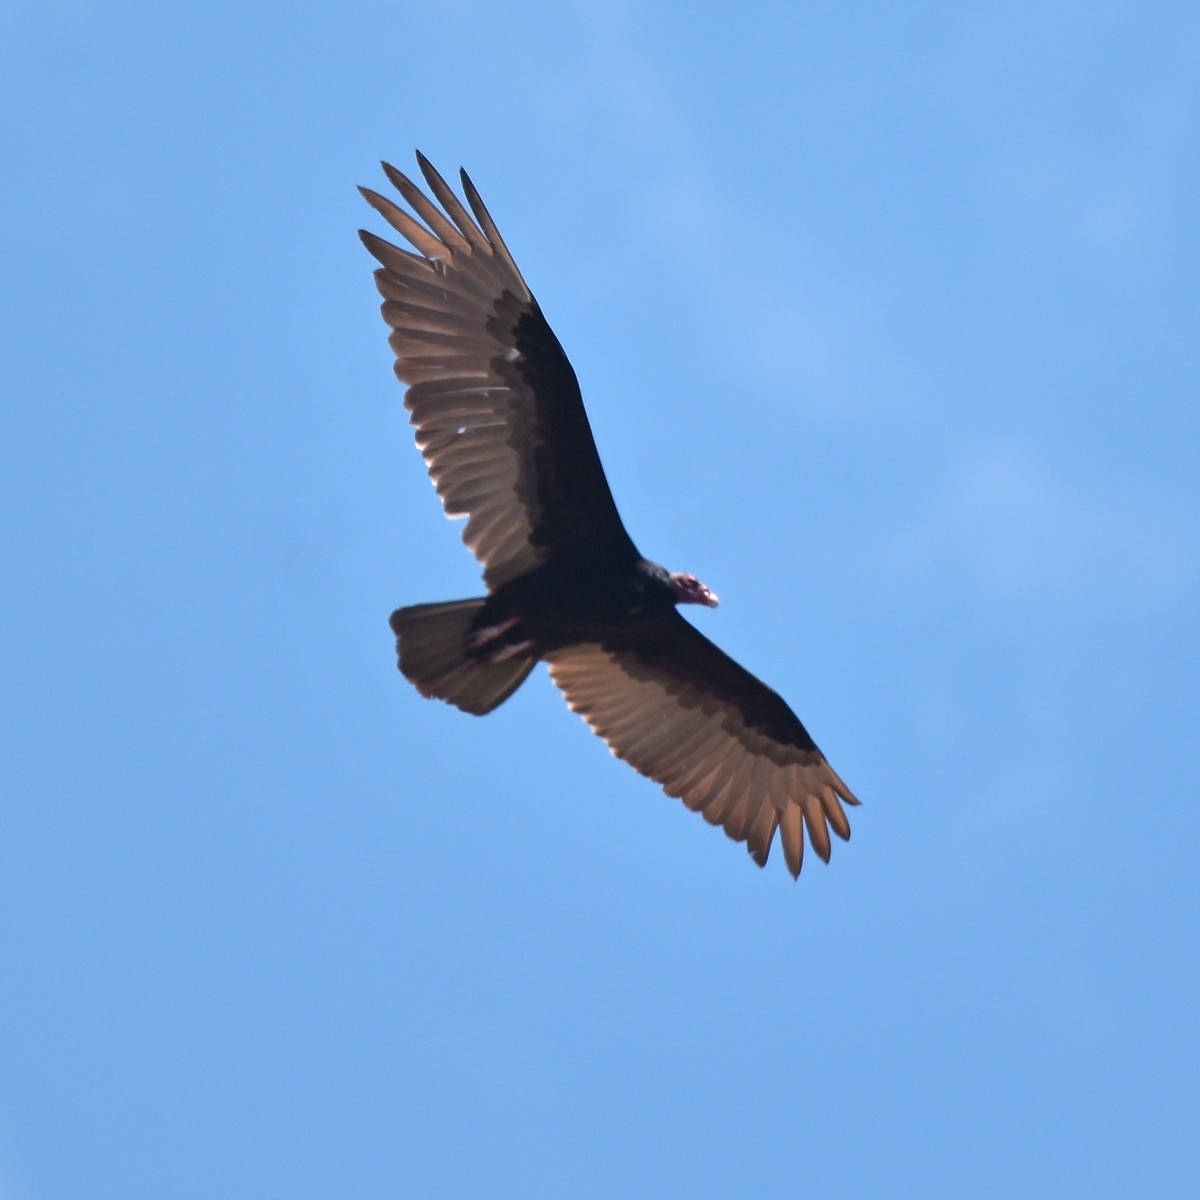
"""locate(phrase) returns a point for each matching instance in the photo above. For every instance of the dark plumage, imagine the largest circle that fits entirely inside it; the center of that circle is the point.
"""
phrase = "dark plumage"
(500, 421)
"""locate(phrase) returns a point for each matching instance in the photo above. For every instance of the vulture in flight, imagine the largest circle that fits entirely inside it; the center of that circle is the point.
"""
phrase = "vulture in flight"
(500, 422)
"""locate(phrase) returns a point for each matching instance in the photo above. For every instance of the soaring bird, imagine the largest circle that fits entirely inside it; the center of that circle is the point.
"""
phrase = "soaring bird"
(500, 422)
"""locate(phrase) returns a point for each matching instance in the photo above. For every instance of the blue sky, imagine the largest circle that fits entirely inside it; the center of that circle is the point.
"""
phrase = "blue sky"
(888, 325)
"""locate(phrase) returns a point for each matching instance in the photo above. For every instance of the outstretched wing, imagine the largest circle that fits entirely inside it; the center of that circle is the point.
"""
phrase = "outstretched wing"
(497, 409)
(680, 710)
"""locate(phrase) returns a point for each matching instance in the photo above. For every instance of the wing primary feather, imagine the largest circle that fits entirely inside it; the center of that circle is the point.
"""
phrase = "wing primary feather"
(838, 786)
(426, 209)
(450, 202)
(762, 833)
(489, 228)
(791, 831)
(395, 258)
(408, 227)
(818, 831)
(835, 815)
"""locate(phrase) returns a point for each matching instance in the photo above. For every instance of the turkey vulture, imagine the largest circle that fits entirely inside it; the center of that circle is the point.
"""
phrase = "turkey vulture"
(500, 422)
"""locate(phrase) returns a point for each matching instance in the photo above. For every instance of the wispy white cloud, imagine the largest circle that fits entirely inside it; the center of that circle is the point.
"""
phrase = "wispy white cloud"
(1107, 214)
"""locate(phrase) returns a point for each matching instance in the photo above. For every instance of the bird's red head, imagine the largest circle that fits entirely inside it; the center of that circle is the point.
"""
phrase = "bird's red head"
(689, 590)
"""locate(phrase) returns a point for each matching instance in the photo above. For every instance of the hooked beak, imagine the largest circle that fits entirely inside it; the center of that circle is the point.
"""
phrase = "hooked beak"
(689, 590)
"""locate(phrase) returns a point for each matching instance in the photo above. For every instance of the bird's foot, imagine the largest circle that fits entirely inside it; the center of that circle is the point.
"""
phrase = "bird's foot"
(512, 650)
(487, 642)
(479, 638)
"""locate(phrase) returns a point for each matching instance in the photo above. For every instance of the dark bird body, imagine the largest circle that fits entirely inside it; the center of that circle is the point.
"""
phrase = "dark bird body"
(500, 421)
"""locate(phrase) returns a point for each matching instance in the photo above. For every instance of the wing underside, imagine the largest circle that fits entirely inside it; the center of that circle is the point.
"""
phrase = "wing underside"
(726, 749)
(497, 409)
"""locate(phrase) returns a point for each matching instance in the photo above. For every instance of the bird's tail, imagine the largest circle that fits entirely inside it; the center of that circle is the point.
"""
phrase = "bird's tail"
(431, 643)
